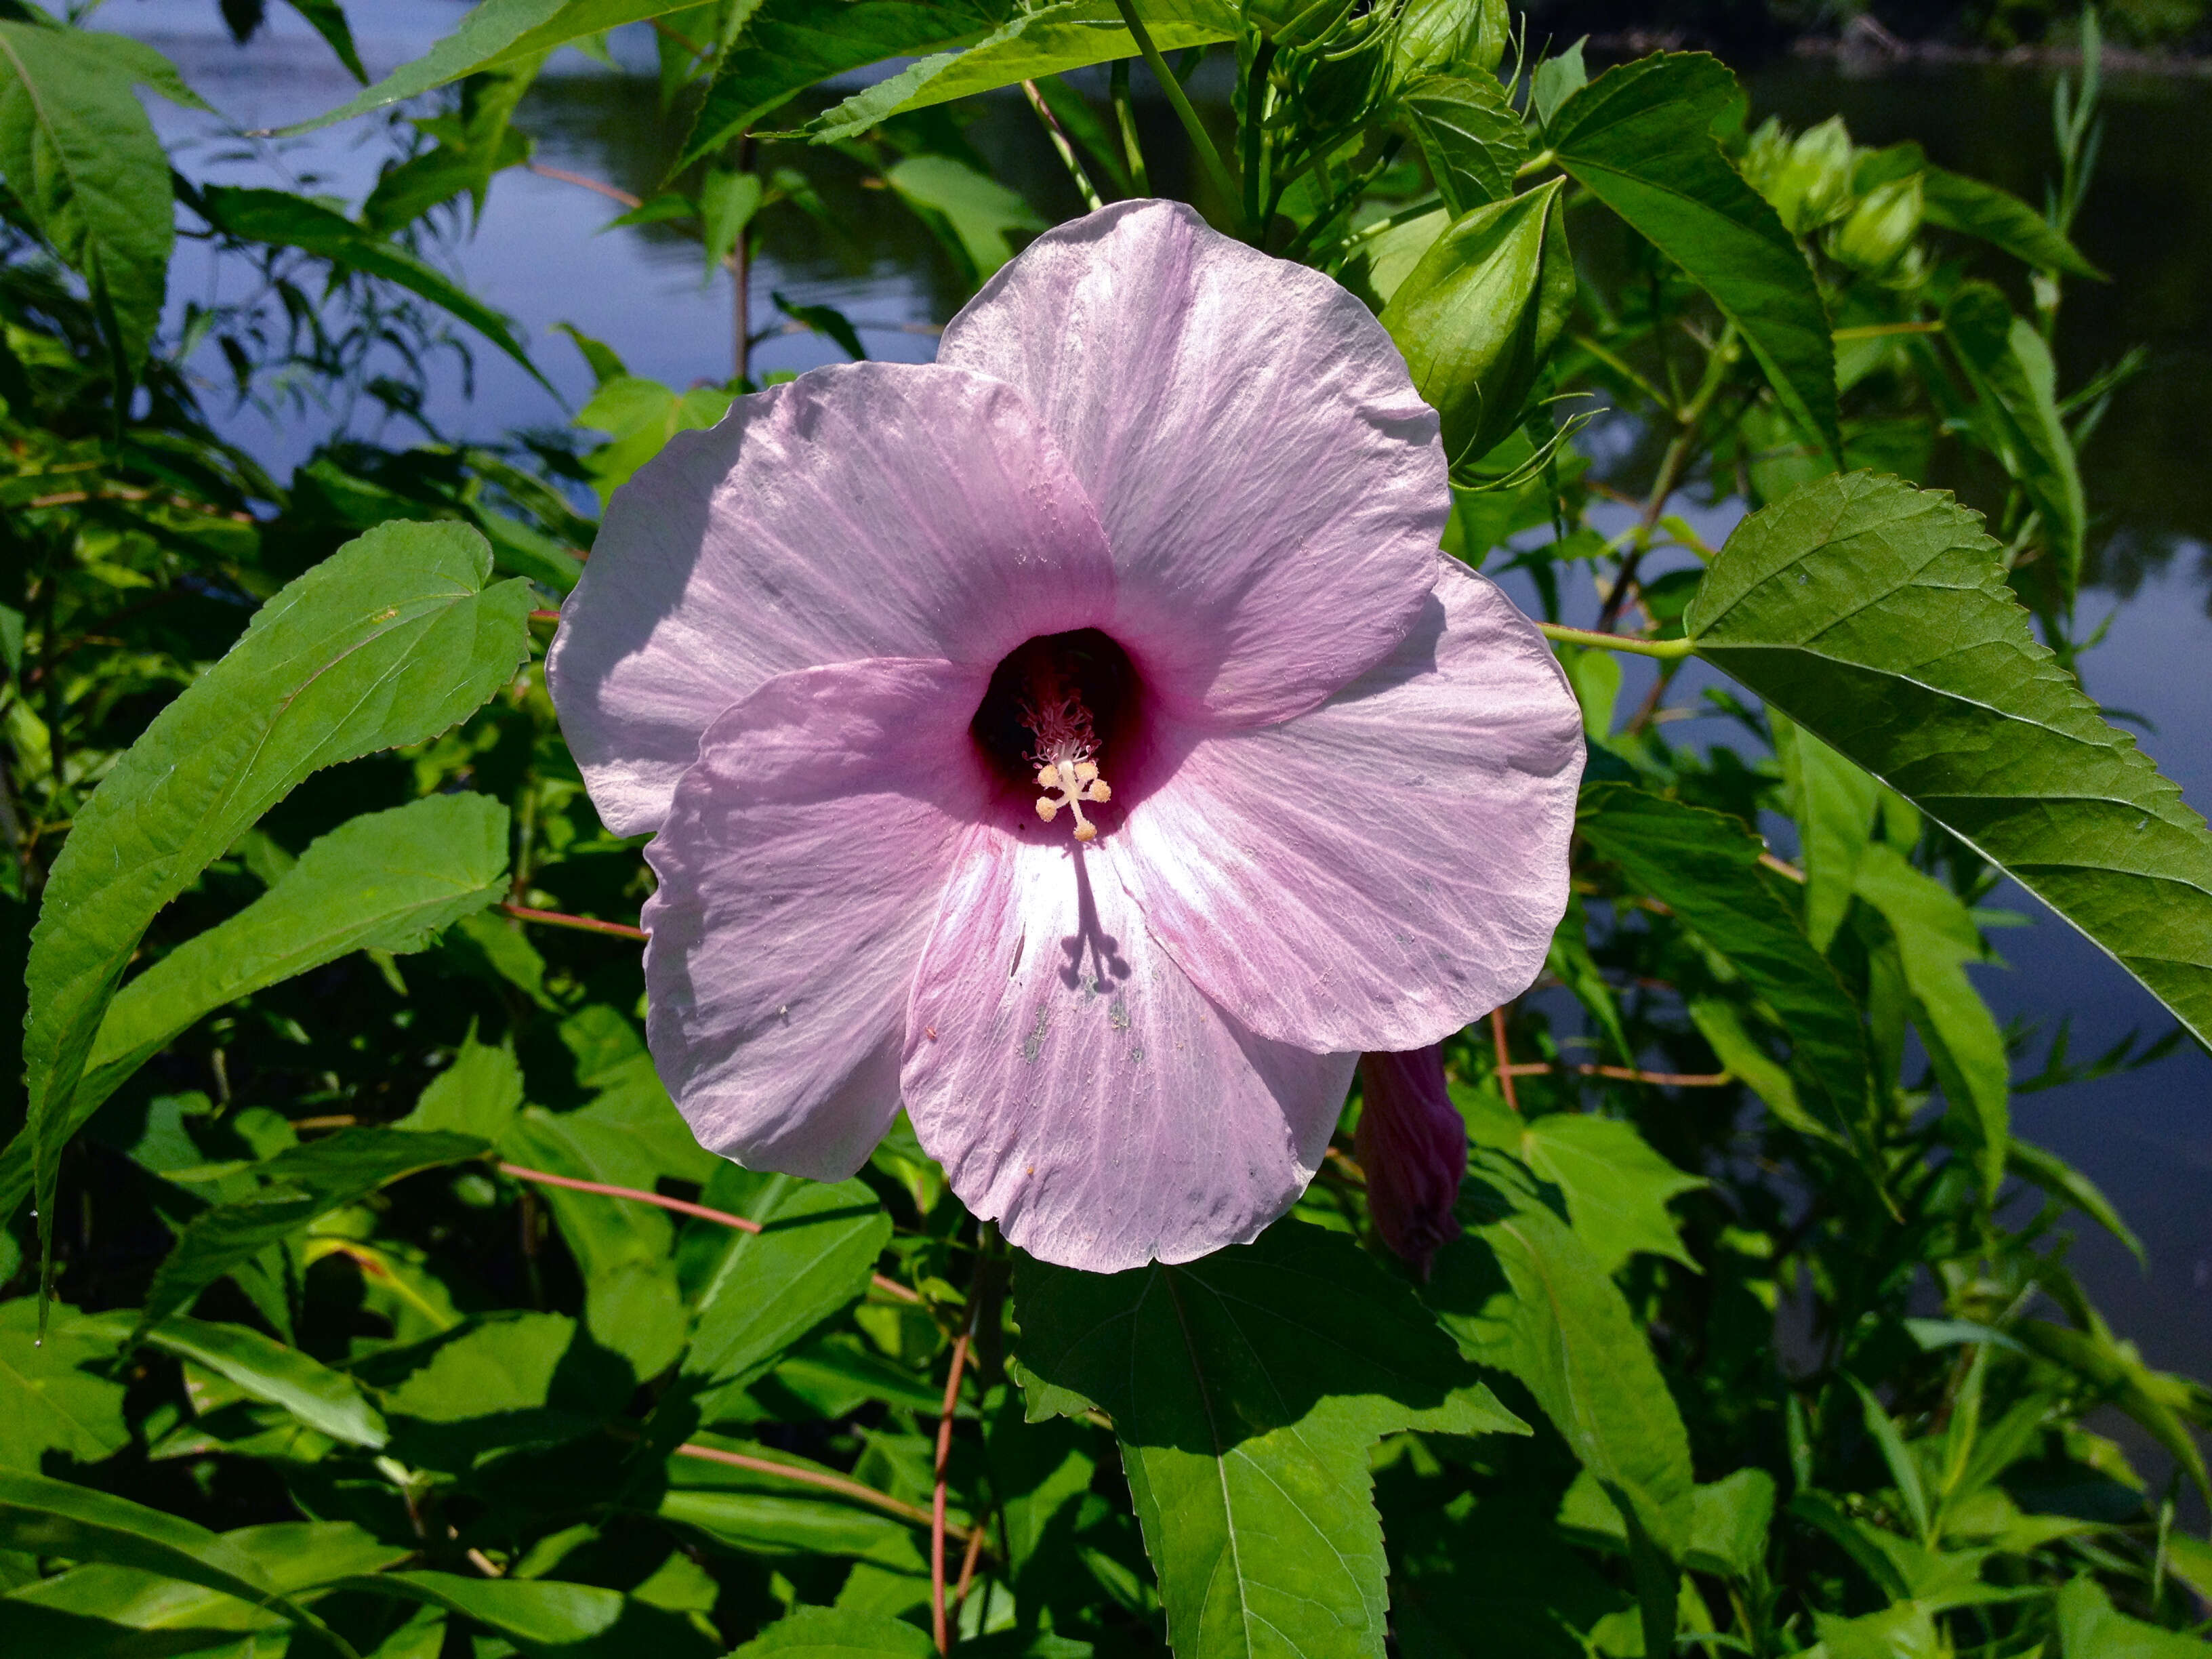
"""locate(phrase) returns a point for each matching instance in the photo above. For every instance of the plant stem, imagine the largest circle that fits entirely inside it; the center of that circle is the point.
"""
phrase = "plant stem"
(1690, 418)
(1255, 134)
(1665, 650)
(838, 1483)
(682, 1206)
(1084, 187)
(937, 1623)
(582, 924)
(1504, 1057)
(1125, 116)
(1209, 157)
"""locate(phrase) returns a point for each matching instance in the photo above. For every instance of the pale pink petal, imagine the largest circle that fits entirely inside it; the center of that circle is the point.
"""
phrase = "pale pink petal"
(866, 510)
(1273, 486)
(1378, 872)
(801, 862)
(1076, 1087)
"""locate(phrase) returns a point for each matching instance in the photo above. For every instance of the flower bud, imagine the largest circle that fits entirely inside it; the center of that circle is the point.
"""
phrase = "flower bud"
(1411, 1142)
(1477, 316)
(1449, 37)
(1881, 227)
(1808, 178)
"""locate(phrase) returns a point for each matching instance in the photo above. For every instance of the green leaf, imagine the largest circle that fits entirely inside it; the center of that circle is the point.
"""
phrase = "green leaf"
(787, 46)
(385, 881)
(1522, 1292)
(323, 1398)
(815, 1248)
(727, 202)
(304, 1182)
(496, 35)
(1704, 866)
(81, 158)
(48, 1401)
(283, 219)
(1450, 37)
(970, 212)
(533, 1613)
(1902, 1632)
(391, 641)
(1478, 315)
(477, 1095)
(1639, 139)
(505, 1363)
(1974, 208)
(781, 1524)
(1721, 1024)
(838, 1633)
(2061, 1180)
(1936, 938)
(1877, 617)
(2160, 1400)
(1557, 79)
(1065, 35)
(1246, 1389)
(1617, 1189)
(640, 417)
(2013, 377)
(52, 1518)
(2090, 1628)
(1833, 803)
(1473, 139)
(327, 18)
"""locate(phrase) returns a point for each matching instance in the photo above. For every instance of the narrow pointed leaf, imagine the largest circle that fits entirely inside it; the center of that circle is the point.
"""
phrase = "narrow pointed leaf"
(1639, 139)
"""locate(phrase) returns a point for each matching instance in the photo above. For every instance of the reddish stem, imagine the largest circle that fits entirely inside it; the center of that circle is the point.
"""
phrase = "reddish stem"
(682, 1206)
(1504, 1059)
(829, 1482)
(582, 924)
(937, 1495)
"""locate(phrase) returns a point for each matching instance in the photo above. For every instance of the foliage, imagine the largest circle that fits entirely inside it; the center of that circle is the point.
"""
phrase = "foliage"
(393, 1309)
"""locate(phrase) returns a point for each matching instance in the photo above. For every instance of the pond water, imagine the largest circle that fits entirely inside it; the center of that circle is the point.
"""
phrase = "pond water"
(537, 254)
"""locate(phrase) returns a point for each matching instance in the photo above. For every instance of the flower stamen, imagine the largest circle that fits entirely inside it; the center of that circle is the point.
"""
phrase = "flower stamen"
(1066, 745)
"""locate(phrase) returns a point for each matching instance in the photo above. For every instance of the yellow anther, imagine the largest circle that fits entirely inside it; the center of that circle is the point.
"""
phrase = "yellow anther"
(1099, 791)
(1048, 777)
(1086, 831)
(1085, 770)
(1047, 808)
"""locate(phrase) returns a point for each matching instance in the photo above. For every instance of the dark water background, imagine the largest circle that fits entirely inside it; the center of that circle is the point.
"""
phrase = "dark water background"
(2145, 1137)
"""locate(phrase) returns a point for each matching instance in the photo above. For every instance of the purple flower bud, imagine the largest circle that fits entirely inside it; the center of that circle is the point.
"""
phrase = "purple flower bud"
(1411, 1142)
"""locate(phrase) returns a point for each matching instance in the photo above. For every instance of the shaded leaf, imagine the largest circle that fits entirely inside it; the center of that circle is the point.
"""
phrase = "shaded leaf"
(2012, 371)
(1522, 1292)
(2089, 1627)
(1246, 1389)
(1877, 617)
(303, 1183)
(328, 19)
(477, 1095)
(970, 212)
(836, 1633)
(48, 1401)
(1639, 139)
(1704, 866)
(266, 1370)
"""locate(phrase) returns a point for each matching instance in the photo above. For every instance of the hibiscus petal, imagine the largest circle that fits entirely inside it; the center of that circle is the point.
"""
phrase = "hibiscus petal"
(1078, 1089)
(802, 861)
(1273, 486)
(1378, 872)
(866, 510)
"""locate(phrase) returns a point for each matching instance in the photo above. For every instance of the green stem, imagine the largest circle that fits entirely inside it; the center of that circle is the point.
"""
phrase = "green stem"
(1125, 115)
(1083, 185)
(1666, 650)
(1535, 163)
(1256, 131)
(1209, 157)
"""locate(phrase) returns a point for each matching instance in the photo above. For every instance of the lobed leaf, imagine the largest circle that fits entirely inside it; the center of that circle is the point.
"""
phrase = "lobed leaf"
(1247, 1388)
(1639, 139)
(391, 641)
(1472, 138)
(1877, 617)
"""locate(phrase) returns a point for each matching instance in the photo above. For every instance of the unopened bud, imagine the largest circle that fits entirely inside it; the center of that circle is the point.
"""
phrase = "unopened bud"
(1412, 1143)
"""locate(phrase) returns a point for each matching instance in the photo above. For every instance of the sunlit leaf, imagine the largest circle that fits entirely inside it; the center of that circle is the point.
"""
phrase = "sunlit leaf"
(1639, 139)
(391, 641)
(1473, 139)
(48, 1400)
(1877, 617)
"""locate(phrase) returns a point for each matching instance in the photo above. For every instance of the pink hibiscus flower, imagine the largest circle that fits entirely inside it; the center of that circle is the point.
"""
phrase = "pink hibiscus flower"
(1080, 741)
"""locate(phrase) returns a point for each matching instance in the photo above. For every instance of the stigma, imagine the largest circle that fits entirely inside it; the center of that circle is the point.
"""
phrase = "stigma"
(1070, 780)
